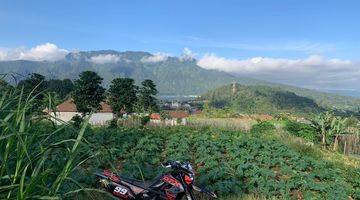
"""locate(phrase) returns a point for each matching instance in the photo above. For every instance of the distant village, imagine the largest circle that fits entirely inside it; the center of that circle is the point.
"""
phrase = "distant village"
(173, 112)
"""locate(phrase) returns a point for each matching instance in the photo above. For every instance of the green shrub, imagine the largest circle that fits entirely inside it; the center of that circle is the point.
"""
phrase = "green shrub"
(262, 127)
(145, 120)
(113, 123)
(77, 120)
(305, 131)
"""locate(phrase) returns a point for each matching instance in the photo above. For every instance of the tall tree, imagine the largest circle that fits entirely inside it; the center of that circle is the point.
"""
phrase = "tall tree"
(147, 96)
(4, 85)
(88, 92)
(61, 87)
(122, 95)
(35, 86)
(35, 83)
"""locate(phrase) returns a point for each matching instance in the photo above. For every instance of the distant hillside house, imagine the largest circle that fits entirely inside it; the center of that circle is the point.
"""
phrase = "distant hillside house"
(178, 117)
(67, 110)
(174, 118)
(178, 114)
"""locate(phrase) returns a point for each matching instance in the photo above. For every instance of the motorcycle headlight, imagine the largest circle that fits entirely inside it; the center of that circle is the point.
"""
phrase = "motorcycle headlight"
(188, 179)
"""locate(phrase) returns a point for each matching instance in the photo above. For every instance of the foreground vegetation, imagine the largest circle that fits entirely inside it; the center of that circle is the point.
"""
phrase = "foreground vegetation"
(46, 161)
(41, 160)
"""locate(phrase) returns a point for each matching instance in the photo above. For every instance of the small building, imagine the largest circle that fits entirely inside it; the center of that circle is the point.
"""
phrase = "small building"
(179, 114)
(175, 105)
(173, 118)
(67, 110)
(178, 117)
(155, 118)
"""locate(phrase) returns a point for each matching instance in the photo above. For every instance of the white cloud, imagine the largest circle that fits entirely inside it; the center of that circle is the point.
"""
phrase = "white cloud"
(264, 64)
(187, 54)
(313, 72)
(105, 58)
(158, 57)
(47, 51)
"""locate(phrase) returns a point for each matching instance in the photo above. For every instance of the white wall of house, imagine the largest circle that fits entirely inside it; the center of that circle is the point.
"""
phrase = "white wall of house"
(168, 122)
(95, 119)
(101, 118)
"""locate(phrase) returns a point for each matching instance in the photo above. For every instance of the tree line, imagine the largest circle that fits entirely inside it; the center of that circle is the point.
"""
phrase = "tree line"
(123, 95)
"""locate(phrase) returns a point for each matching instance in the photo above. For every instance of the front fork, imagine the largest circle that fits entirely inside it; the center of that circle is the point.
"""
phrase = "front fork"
(188, 190)
(190, 195)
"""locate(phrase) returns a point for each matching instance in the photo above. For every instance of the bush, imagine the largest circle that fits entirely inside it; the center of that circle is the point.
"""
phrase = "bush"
(77, 120)
(262, 127)
(113, 123)
(145, 120)
(305, 131)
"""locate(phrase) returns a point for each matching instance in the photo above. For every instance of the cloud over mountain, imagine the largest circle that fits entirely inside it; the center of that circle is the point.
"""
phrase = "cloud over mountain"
(314, 71)
(158, 57)
(105, 58)
(47, 51)
(187, 54)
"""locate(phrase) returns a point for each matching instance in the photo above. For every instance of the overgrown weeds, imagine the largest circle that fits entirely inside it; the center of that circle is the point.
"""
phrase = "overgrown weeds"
(34, 164)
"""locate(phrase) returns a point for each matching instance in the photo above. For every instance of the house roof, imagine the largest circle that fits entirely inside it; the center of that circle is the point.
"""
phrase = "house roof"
(155, 116)
(69, 106)
(178, 114)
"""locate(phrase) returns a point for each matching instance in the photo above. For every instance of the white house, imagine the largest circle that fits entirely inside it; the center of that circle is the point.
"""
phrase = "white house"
(67, 110)
(175, 118)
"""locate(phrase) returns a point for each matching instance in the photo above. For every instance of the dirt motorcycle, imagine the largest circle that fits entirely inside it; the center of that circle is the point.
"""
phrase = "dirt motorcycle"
(175, 184)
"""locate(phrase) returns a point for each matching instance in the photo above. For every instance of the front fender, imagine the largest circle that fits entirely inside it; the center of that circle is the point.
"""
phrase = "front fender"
(205, 191)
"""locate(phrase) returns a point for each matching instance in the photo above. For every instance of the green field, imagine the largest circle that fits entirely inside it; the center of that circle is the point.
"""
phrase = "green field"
(233, 163)
(41, 160)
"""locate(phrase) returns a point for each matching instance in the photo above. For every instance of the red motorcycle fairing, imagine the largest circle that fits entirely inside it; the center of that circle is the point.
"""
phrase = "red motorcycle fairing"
(111, 176)
(174, 189)
(172, 181)
(118, 190)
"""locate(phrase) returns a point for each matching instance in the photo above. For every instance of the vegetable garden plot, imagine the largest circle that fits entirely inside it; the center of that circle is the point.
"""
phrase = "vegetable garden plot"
(235, 163)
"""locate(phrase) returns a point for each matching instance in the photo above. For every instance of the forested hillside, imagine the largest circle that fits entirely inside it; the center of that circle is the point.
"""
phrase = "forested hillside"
(260, 99)
(173, 75)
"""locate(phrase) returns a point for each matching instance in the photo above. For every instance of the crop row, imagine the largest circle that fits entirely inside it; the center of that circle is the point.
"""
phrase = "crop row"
(234, 163)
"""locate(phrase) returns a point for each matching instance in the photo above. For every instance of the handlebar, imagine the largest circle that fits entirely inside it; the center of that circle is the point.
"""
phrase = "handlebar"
(176, 165)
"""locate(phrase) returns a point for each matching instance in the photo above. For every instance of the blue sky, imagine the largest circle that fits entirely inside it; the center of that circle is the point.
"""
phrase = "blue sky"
(236, 29)
(230, 34)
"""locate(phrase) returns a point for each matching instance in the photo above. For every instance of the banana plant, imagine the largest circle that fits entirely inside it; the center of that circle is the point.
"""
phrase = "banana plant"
(322, 123)
(337, 127)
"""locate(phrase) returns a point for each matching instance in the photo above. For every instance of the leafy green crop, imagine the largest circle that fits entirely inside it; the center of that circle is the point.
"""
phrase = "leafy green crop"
(305, 131)
(262, 127)
(232, 162)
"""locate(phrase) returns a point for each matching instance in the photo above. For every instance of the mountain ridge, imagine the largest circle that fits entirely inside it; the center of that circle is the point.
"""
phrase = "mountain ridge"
(172, 75)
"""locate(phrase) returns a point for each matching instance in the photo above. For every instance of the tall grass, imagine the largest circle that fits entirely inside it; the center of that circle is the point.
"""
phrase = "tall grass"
(34, 165)
(228, 123)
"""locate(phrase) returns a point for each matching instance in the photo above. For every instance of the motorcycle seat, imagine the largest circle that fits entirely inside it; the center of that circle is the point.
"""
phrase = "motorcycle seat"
(136, 182)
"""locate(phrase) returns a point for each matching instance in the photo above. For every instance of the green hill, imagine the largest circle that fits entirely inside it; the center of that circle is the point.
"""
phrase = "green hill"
(260, 100)
(173, 76)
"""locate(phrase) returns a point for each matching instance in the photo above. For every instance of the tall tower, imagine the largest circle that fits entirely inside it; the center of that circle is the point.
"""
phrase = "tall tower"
(233, 88)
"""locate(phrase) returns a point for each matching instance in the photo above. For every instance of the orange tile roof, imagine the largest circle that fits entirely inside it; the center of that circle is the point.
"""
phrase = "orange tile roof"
(178, 114)
(155, 116)
(69, 106)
